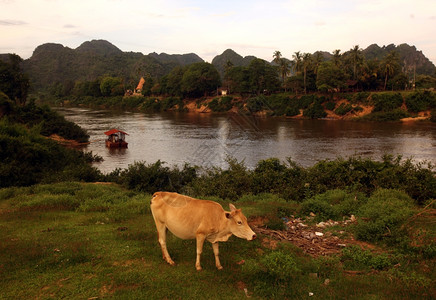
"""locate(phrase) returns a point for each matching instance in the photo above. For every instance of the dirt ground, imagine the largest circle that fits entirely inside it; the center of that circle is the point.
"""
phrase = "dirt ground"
(324, 238)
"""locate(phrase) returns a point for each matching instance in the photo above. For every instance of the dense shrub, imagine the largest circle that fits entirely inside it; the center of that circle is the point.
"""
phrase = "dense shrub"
(156, 177)
(315, 111)
(386, 101)
(355, 258)
(392, 115)
(256, 104)
(50, 121)
(330, 105)
(271, 272)
(383, 215)
(28, 158)
(343, 109)
(333, 204)
(420, 101)
(230, 183)
(222, 104)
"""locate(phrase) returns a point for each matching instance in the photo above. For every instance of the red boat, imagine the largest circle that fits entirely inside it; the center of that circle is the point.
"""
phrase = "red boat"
(116, 138)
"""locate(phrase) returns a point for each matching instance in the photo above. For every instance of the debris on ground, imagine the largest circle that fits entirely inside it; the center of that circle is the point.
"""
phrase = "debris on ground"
(314, 240)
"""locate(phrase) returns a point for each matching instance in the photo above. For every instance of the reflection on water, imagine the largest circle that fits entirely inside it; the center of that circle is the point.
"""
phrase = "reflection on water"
(206, 140)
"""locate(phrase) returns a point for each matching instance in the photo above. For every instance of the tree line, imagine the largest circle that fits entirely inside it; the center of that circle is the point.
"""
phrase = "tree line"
(346, 71)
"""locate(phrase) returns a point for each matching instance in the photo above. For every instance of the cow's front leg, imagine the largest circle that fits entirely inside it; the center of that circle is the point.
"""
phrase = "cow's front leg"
(200, 242)
(216, 251)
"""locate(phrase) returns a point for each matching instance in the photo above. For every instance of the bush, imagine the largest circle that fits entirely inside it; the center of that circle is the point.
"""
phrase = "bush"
(222, 104)
(274, 267)
(421, 101)
(382, 217)
(155, 177)
(330, 105)
(343, 109)
(321, 208)
(355, 258)
(384, 102)
(315, 111)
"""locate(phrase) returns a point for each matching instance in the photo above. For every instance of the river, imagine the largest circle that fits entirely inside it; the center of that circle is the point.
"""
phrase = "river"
(207, 139)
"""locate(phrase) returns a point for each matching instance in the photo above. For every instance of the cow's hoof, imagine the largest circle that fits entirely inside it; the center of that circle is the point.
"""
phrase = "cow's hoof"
(170, 262)
(198, 268)
(219, 267)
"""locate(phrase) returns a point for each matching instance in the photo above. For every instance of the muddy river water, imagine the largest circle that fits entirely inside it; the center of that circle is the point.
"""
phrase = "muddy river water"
(207, 139)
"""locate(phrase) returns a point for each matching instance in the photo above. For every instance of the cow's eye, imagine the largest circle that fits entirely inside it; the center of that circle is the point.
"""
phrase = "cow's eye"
(239, 223)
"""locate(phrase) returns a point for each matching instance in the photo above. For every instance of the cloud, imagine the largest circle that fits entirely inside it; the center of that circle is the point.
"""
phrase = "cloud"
(12, 23)
(69, 26)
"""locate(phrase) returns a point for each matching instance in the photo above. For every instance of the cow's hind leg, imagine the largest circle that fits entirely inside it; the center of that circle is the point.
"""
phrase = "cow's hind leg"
(162, 237)
(216, 251)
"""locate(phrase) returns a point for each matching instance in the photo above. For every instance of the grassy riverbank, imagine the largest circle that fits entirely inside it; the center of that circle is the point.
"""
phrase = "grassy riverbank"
(76, 240)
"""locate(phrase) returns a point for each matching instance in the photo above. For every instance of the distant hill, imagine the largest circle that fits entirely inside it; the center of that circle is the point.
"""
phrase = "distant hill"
(237, 60)
(409, 57)
(52, 63)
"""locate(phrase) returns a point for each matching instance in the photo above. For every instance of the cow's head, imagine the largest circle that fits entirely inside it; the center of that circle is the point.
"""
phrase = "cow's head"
(239, 225)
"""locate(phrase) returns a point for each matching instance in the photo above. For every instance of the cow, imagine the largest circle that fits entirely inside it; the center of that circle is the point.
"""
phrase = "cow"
(189, 218)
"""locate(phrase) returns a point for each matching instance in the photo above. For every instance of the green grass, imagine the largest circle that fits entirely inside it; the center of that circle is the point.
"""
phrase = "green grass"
(78, 241)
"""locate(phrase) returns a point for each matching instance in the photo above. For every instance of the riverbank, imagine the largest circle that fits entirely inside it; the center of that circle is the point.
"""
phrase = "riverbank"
(376, 106)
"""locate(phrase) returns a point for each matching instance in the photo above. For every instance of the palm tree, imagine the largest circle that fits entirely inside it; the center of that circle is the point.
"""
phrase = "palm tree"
(307, 59)
(337, 57)
(284, 70)
(277, 56)
(317, 59)
(390, 63)
(297, 61)
(356, 57)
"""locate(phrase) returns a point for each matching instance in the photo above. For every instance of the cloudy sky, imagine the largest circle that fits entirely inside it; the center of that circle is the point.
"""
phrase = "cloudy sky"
(207, 28)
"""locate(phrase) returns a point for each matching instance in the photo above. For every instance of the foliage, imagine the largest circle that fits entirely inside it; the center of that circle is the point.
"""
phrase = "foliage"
(383, 216)
(28, 158)
(315, 111)
(13, 82)
(385, 102)
(420, 101)
(111, 86)
(49, 121)
(156, 177)
(222, 104)
(199, 79)
(355, 258)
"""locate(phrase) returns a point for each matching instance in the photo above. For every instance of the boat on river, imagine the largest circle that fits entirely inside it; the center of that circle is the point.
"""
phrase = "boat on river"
(116, 139)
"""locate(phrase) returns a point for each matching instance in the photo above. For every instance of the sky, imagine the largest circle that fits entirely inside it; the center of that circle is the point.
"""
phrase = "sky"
(208, 28)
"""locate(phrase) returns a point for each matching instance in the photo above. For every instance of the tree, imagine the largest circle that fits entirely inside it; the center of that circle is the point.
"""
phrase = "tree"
(390, 64)
(337, 57)
(263, 76)
(13, 82)
(356, 58)
(277, 57)
(297, 61)
(173, 82)
(306, 62)
(330, 77)
(282, 65)
(284, 70)
(111, 86)
(200, 79)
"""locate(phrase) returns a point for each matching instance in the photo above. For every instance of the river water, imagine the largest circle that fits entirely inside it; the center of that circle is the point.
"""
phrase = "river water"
(207, 139)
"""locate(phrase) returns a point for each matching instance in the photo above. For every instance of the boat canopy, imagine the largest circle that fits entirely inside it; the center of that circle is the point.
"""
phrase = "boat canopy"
(115, 131)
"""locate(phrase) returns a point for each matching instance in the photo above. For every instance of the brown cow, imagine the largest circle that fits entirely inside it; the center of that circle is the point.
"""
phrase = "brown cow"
(189, 218)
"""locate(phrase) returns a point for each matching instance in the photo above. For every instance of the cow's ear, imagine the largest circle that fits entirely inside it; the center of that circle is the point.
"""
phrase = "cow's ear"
(228, 215)
(232, 207)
